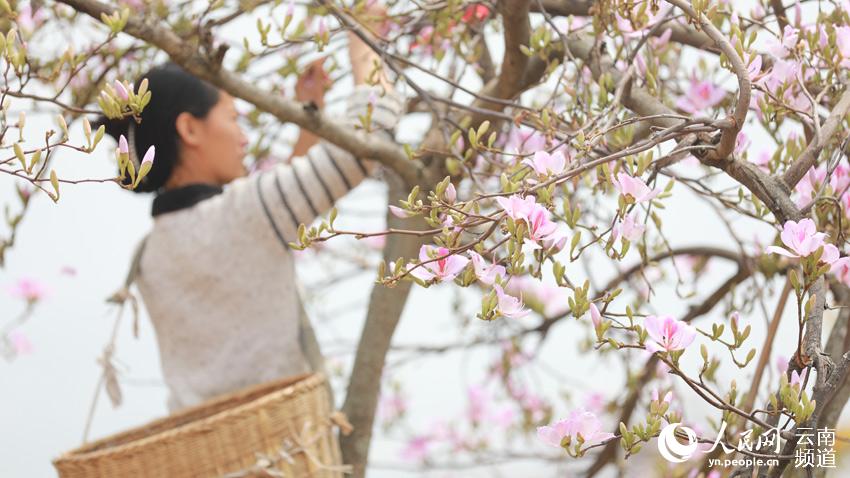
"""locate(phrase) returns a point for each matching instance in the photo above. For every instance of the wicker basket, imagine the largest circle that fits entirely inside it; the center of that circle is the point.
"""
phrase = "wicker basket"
(285, 425)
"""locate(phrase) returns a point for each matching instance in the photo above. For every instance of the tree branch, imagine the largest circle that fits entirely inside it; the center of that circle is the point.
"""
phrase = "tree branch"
(809, 156)
(188, 57)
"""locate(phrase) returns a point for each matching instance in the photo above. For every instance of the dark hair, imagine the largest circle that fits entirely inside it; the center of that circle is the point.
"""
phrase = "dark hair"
(173, 91)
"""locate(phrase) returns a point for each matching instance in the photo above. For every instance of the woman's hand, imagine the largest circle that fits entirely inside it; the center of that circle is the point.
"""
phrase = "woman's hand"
(363, 58)
(313, 83)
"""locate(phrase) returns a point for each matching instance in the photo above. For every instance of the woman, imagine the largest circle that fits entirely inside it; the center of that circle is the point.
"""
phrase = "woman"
(216, 274)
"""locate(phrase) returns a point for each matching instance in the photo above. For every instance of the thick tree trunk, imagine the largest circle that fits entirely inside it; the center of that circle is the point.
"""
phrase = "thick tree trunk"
(385, 308)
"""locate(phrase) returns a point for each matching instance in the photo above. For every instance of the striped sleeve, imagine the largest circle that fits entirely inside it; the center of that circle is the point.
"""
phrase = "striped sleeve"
(299, 192)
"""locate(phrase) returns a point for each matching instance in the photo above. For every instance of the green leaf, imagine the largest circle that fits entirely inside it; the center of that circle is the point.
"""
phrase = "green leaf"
(34, 160)
(19, 153)
(55, 182)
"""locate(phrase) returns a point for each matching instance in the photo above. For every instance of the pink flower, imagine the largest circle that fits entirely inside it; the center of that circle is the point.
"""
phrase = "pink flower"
(782, 364)
(842, 39)
(149, 155)
(29, 21)
(701, 96)
(517, 207)
(68, 271)
(508, 305)
(451, 193)
(802, 239)
(557, 240)
(628, 228)
(668, 333)
(475, 12)
(20, 342)
(742, 142)
(797, 379)
(401, 213)
(375, 242)
(423, 40)
(443, 269)
(762, 160)
(841, 269)
(668, 397)
(781, 73)
(580, 426)
(121, 90)
(416, 449)
(29, 289)
(637, 29)
(810, 183)
(392, 406)
(322, 29)
(478, 400)
(634, 187)
(545, 164)
(840, 180)
(486, 273)
(123, 148)
(540, 227)
(449, 222)
(753, 62)
(595, 316)
(781, 48)
(549, 300)
(594, 402)
(504, 417)
(524, 140)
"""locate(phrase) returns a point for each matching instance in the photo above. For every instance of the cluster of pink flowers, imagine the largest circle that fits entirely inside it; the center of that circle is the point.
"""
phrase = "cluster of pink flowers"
(541, 230)
(811, 183)
(481, 414)
(580, 424)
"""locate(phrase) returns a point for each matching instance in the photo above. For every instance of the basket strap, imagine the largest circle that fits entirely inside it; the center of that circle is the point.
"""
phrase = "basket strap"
(310, 345)
(135, 267)
(136, 264)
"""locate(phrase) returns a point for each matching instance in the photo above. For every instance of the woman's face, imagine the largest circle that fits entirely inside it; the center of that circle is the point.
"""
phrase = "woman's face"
(223, 142)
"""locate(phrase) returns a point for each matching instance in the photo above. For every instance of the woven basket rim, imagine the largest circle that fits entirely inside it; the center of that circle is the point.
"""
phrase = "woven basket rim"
(294, 385)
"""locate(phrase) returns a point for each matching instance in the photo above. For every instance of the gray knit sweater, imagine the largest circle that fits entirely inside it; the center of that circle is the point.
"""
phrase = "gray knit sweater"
(217, 276)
